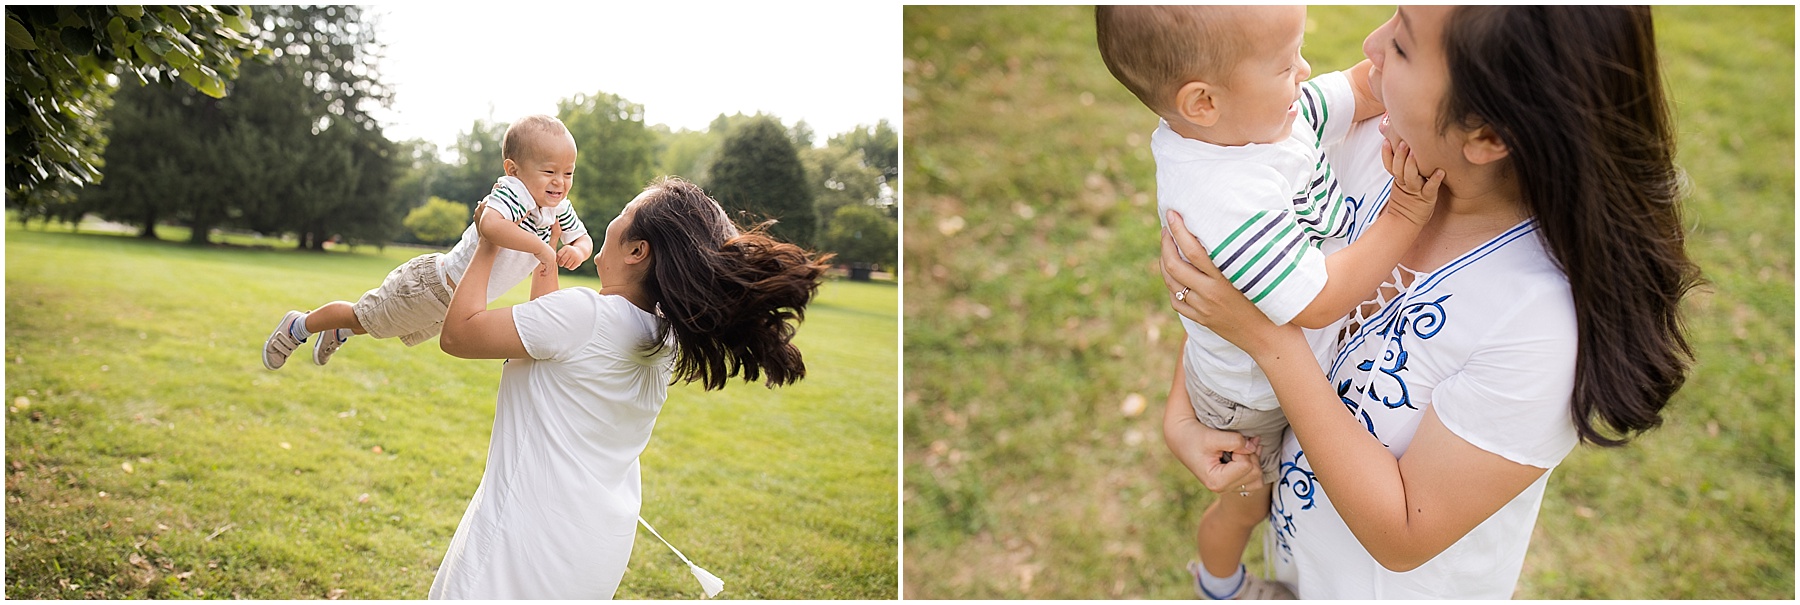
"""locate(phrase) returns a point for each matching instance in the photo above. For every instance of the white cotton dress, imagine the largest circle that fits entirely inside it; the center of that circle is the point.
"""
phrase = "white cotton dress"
(556, 511)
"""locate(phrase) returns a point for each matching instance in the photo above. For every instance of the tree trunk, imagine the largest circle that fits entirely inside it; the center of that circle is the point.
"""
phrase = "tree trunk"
(201, 236)
(148, 231)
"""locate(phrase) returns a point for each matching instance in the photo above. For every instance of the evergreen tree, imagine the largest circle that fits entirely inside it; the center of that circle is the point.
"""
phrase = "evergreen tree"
(757, 175)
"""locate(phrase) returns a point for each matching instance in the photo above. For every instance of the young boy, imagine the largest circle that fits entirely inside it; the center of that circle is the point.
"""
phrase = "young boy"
(527, 209)
(1252, 184)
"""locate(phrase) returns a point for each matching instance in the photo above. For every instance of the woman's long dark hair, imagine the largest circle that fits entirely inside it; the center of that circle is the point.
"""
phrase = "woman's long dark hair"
(726, 295)
(1576, 94)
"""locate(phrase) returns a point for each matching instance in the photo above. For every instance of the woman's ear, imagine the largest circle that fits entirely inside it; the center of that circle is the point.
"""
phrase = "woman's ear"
(637, 251)
(1483, 146)
(1196, 102)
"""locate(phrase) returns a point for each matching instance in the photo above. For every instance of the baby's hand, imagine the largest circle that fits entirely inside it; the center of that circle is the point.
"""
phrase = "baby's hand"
(569, 258)
(1414, 197)
(546, 258)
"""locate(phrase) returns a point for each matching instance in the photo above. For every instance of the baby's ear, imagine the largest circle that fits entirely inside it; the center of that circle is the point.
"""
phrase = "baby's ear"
(511, 168)
(1195, 102)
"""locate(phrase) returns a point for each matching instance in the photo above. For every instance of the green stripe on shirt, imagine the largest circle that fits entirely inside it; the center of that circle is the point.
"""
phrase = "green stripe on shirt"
(1279, 238)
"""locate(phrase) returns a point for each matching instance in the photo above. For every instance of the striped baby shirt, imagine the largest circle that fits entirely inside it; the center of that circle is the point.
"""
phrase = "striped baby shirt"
(1267, 214)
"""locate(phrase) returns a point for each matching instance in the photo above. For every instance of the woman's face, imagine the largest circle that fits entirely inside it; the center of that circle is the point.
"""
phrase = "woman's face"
(610, 261)
(1410, 77)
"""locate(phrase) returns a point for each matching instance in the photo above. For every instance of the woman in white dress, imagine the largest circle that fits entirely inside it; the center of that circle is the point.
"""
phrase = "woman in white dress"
(685, 296)
(1538, 308)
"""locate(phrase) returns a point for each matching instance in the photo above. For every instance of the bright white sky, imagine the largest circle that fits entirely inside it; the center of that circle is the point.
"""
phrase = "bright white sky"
(835, 65)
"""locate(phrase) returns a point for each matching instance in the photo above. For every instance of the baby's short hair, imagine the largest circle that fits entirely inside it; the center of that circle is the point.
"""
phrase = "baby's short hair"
(523, 137)
(1154, 50)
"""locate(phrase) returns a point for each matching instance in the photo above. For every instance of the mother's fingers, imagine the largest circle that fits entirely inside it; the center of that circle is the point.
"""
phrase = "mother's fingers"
(1181, 273)
(1189, 245)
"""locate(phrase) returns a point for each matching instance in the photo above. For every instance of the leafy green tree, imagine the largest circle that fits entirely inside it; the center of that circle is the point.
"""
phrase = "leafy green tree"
(420, 169)
(838, 177)
(59, 64)
(616, 152)
(145, 177)
(292, 150)
(801, 133)
(684, 153)
(757, 175)
(439, 221)
(880, 147)
(470, 176)
(861, 234)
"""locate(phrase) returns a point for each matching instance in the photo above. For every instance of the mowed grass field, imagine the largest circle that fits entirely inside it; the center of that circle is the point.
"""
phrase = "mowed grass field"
(150, 455)
(1037, 328)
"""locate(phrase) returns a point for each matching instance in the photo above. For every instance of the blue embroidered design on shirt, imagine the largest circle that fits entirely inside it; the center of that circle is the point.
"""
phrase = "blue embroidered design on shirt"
(1298, 482)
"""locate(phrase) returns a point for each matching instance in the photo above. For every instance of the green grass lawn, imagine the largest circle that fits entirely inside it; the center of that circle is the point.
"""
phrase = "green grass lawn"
(1034, 312)
(150, 455)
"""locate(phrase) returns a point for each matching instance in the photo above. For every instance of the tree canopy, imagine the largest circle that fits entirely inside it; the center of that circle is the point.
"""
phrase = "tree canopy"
(615, 152)
(757, 175)
(860, 234)
(59, 66)
(292, 149)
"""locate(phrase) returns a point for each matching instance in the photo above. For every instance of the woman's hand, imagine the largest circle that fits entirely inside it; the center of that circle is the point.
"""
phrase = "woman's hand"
(1202, 449)
(1200, 292)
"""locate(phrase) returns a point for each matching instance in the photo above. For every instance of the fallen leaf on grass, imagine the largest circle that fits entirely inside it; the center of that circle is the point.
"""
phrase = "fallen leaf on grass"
(334, 594)
(376, 449)
(362, 498)
(215, 534)
(138, 560)
(1133, 405)
(285, 446)
(127, 467)
(184, 575)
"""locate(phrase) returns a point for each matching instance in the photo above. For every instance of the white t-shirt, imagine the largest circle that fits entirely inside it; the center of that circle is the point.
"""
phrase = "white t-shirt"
(512, 201)
(1263, 211)
(1488, 340)
(556, 512)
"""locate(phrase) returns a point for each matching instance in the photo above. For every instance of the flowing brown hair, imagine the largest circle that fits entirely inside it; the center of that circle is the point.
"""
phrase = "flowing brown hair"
(726, 294)
(1576, 94)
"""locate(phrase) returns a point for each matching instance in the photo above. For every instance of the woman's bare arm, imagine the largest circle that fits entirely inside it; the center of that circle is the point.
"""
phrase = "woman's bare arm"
(1200, 447)
(1404, 511)
(471, 330)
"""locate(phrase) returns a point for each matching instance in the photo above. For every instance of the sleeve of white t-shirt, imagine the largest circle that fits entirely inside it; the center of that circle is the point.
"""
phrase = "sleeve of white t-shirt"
(510, 199)
(1328, 104)
(572, 227)
(557, 325)
(1259, 246)
(1512, 397)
